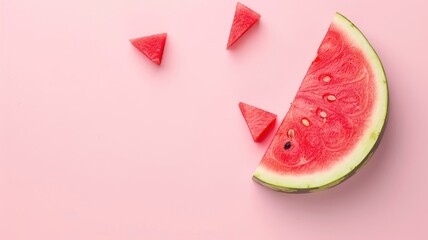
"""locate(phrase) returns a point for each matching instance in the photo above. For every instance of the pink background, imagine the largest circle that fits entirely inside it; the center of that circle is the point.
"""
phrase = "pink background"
(97, 142)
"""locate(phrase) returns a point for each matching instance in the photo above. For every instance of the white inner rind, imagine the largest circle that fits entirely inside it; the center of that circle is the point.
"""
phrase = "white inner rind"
(370, 135)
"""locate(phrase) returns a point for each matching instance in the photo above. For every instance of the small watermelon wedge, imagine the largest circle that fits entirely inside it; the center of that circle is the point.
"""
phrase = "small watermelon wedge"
(243, 20)
(259, 121)
(152, 46)
(336, 120)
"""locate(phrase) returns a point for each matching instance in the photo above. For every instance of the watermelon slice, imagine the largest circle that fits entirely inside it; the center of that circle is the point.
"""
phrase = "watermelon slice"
(152, 46)
(336, 119)
(243, 20)
(259, 121)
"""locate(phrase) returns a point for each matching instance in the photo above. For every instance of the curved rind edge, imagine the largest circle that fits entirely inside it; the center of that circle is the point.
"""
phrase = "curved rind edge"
(258, 177)
(326, 186)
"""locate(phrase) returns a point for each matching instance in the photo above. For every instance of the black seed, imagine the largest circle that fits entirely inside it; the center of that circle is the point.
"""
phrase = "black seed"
(287, 145)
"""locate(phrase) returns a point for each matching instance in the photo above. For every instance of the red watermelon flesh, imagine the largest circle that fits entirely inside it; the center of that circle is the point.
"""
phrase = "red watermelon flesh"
(259, 121)
(336, 119)
(329, 110)
(152, 46)
(243, 20)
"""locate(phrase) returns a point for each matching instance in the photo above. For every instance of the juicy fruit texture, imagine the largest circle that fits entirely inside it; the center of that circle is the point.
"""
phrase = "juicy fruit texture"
(243, 20)
(259, 121)
(152, 46)
(336, 119)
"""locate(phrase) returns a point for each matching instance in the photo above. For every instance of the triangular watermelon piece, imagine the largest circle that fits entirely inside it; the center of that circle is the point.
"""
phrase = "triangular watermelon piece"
(259, 121)
(152, 46)
(243, 20)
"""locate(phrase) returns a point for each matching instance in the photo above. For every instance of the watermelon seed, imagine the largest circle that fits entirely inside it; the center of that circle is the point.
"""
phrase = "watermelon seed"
(305, 122)
(331, 98)
(326, 79)
(287, 145)
(291, 133)
(323, 114)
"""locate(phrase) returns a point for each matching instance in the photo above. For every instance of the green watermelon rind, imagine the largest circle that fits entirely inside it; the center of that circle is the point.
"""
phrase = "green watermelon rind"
(365, 147)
